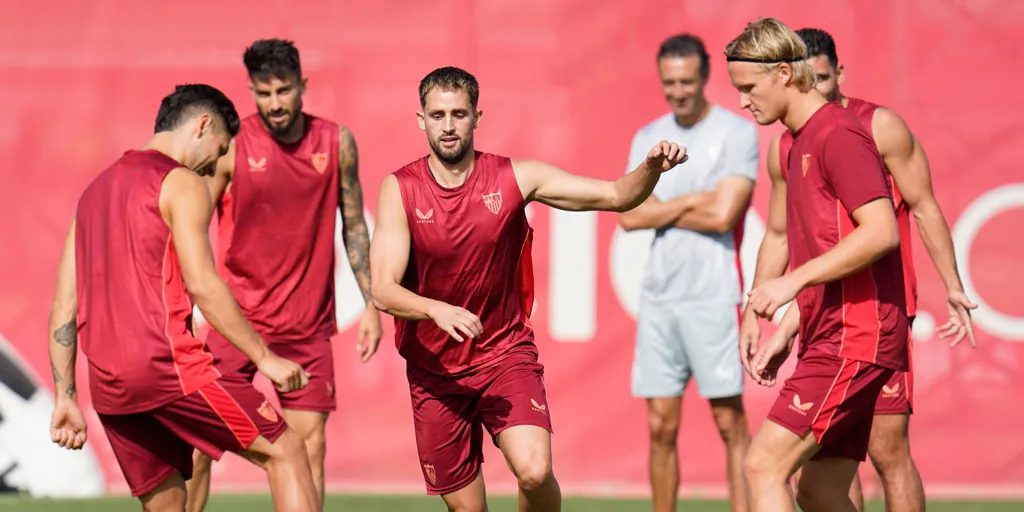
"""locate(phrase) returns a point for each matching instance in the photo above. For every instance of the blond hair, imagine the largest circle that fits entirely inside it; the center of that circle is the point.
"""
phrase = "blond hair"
(769, 42)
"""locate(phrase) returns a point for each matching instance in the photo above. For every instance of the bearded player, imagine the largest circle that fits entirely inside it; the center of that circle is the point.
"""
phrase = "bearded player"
(136, 257)
(279, 188)
(836, 211)
(909, 176)
(451, 262)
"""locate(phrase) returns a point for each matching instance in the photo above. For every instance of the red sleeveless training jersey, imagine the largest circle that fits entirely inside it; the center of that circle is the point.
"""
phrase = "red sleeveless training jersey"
(276, 230)
(134, 317)
(470, 247)
(865, 112)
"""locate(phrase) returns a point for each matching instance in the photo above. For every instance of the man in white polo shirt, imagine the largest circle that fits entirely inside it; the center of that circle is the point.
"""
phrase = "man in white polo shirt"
(688, 323)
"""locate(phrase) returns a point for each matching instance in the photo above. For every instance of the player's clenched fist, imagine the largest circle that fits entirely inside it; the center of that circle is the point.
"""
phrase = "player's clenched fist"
(665, 155)
(285, 374)
(456, 321)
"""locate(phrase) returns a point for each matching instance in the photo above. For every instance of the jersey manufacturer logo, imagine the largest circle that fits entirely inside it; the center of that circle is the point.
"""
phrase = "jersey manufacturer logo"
(539, 407)
(805, 163)
(319, 162)
(892, 392)
(257, 165)
(493, 201)
(425, 218)
(800, 408)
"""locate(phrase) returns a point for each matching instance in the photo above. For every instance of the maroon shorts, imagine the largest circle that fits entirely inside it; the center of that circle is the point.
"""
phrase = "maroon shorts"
(897, 395)
(450, 413)
(315, 356)
(834, 399)
(225, 415)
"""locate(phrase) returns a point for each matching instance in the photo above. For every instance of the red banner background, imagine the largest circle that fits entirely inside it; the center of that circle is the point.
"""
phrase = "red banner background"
(566, 81)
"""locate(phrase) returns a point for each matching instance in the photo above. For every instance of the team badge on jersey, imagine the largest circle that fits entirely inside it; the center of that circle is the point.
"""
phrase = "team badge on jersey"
(493, 201)
(319, 162)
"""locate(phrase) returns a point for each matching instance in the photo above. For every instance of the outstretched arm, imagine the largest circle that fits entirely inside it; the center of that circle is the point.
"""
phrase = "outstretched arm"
(547, 184)
(64, 323)
(354, 231)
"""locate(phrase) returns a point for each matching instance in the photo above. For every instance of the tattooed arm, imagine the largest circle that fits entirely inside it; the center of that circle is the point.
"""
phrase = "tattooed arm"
(357, 238)
(67, 427)
(64, 322)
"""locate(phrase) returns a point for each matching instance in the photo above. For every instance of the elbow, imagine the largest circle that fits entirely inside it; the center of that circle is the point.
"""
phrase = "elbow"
(628, 222)
(723, 225)
(377, 291)
(890, 240)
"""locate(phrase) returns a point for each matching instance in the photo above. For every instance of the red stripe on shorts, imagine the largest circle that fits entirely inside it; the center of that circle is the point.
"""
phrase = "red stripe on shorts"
(834, 398)
(232, 414)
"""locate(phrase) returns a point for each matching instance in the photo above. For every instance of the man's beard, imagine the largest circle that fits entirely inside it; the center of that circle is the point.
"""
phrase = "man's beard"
(452, 156)
(293, 117)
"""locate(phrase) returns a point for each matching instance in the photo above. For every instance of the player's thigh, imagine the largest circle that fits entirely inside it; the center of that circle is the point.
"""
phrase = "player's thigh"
(147, 452)
(317, 358)
(710, 337)
(449, 437)
(660, 367)
(890, 440)
(228, 414)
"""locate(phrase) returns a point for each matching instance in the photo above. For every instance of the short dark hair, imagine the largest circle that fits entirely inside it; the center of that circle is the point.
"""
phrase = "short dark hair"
(450, 78)
(272, 58)
(684, 45)
(818, 43)
(192, 99)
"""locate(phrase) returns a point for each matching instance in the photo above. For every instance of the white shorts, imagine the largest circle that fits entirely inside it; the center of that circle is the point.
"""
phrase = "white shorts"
(676, 342)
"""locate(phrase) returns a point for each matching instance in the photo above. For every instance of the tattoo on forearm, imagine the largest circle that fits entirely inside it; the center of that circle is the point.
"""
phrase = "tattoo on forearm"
(356, 236)
(67, 334)
(72, 391)
(56, 374)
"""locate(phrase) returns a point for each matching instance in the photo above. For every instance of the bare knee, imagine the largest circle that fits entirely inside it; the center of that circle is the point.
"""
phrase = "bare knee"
(889, 447)
(760, 466)
(288, 447)
(316, 446)
(533, 473)
(663, 420)
(813, 498)
(730, 420)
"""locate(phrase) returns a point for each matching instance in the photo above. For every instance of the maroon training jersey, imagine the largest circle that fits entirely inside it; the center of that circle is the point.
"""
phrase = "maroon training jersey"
(134, 317)
(835, 169)
(470, 247)
(865, 112)
(276, 230)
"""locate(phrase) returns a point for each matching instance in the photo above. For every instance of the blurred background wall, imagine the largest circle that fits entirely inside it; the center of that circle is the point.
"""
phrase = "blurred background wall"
(567, 81)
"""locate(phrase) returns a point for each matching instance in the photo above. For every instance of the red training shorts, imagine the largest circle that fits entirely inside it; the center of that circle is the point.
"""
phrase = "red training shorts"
(449, 414)
(834, 399)
(315, 356)
(225, 415)
(897, 396)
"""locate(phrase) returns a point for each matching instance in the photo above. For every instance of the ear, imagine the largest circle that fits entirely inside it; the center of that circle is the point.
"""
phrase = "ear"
(785, 73)
(252, 87)
(421, 120)
(302, 84)
(204, 125)
(476, 120)
(840, 75)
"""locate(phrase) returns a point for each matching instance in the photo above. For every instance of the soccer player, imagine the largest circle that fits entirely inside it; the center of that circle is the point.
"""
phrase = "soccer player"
(910, 179)
(279, 188)
(136, 253)
(836, 211)
(451, 261)
(688, 320)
